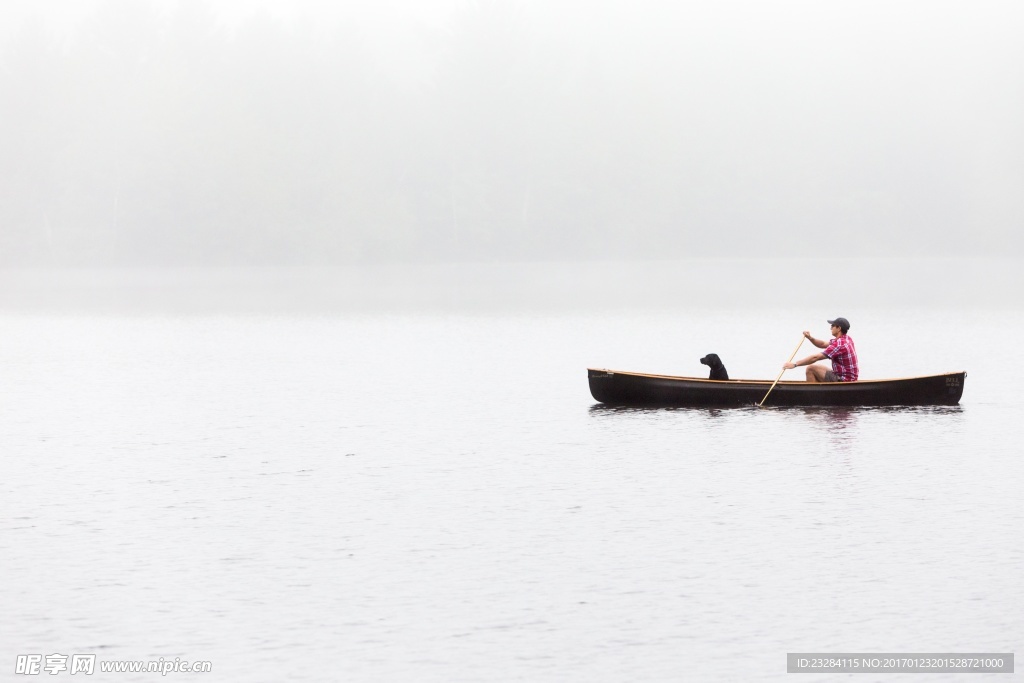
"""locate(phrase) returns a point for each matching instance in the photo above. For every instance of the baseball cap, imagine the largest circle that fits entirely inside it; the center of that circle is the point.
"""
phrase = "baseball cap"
(843, 323)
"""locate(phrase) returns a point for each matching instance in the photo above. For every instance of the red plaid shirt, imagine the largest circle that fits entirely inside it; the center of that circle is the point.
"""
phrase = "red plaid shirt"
(843, 355)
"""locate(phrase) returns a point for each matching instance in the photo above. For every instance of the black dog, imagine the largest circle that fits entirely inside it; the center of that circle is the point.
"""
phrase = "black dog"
(715, 363)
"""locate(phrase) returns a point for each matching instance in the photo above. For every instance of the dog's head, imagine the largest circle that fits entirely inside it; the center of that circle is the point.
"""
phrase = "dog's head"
(711, 360)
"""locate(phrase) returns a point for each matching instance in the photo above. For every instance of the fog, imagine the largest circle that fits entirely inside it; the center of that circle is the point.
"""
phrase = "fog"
(137, 133)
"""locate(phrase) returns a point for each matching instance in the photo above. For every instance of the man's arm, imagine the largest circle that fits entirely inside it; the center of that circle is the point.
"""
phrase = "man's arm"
(814, 358)
(817, 342)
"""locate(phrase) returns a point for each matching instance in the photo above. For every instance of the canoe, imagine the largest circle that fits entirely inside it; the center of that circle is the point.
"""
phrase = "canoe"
(614, 387)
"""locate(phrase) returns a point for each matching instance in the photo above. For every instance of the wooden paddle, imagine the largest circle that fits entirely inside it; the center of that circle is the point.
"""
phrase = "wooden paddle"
(791, 357)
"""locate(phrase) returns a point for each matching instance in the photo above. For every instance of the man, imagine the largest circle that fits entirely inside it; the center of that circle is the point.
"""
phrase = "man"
(840, 351)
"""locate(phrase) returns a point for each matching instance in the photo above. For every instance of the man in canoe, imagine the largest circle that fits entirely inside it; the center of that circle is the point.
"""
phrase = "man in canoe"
(840, 351)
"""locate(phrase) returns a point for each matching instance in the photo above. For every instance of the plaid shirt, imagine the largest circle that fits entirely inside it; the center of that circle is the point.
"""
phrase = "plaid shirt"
(843, 355)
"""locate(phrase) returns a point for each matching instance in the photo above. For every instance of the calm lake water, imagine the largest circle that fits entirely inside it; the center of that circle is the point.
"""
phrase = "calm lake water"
(436, 497)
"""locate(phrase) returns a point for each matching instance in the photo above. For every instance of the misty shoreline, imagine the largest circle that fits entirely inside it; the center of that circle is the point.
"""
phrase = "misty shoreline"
(847, 284)
(160, 132)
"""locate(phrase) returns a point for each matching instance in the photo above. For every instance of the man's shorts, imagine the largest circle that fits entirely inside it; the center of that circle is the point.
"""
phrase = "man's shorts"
(830, 376)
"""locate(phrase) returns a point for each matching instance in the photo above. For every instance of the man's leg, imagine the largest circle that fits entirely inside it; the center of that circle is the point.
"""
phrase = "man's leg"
(816, 372)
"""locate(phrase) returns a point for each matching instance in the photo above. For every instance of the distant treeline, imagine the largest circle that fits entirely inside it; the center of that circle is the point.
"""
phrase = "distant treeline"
(150, 136)
(169, 139)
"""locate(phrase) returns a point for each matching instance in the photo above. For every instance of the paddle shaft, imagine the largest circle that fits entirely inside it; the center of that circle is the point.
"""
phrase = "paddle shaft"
(791, 357)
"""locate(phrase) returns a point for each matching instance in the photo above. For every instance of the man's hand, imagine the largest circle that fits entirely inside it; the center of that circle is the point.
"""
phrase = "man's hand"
(788, 366)
(808, 335)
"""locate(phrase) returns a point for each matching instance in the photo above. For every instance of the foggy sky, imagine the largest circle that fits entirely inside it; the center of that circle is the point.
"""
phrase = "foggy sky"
(237, 133)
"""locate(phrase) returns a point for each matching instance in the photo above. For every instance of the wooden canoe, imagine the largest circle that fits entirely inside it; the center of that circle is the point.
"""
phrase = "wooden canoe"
(614, 387)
